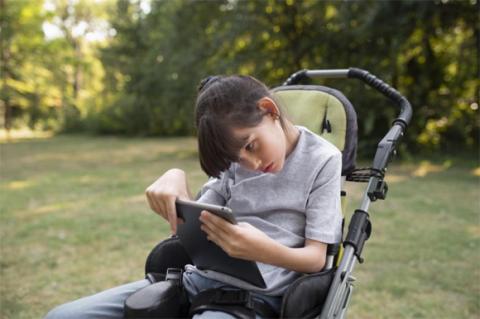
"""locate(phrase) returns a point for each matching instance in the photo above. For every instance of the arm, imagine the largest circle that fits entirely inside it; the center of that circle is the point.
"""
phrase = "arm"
(308, 259)
(323, 223)
(162, 193)
(247, 242)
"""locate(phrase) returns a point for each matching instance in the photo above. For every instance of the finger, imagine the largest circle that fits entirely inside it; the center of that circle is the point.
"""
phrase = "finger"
(208, 226)
(212, 235)
(214, 226)
(149, 200)
(210, 230)
(171, 213)
(153, 203)
(220, 225)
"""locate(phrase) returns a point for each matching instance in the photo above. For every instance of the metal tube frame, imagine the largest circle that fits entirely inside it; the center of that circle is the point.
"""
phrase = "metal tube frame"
(340, 292)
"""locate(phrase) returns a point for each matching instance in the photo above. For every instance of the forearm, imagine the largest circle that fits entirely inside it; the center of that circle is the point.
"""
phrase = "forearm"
(247, 242)
(308, 259)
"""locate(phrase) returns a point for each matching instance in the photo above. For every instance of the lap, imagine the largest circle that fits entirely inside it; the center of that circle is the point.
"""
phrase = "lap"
(109, 304)
(214, 315)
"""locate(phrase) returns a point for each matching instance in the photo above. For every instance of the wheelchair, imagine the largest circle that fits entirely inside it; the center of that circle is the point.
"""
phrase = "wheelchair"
(326, 294)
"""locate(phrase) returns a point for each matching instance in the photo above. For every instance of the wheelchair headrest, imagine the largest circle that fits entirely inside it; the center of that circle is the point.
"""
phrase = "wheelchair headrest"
(325, 111)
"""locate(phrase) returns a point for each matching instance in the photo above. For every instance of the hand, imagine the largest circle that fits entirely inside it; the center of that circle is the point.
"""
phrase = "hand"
(247, 242)
(240, 241)
(161, 195)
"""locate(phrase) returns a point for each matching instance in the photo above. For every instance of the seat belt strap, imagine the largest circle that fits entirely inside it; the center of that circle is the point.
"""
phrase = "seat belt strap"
(173, 274)
(230, 301)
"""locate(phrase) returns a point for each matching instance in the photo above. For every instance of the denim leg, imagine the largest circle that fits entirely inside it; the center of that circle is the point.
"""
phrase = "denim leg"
(107, 304)
(215, 315)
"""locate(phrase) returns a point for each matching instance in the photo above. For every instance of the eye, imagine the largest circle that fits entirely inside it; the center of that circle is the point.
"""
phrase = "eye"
(250, 147)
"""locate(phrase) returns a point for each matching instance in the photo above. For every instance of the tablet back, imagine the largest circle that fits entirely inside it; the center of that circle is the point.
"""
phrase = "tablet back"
(207, 255)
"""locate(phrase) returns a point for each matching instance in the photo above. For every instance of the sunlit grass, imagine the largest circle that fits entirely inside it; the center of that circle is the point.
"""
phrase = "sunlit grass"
(74, 221)
(21, 134)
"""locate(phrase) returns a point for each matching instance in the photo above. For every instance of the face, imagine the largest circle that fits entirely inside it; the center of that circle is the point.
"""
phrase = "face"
(265, 147)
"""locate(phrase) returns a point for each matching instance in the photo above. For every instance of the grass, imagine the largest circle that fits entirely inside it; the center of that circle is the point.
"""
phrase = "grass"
(74, 221)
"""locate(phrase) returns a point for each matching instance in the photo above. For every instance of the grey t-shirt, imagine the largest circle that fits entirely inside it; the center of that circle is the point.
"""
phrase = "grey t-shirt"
(301, 201)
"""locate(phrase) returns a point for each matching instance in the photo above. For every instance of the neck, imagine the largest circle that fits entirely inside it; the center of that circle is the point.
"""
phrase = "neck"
(291, 135)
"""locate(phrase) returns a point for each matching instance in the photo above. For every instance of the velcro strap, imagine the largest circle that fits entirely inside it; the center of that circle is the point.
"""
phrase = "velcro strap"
(232, 297)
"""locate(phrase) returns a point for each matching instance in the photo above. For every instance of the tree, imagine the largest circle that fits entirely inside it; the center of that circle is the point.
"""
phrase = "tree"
(157, 51)
(21, 47)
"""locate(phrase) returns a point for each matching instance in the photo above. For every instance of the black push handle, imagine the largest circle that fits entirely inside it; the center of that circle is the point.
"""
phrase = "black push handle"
(387, 146)
(405, 108)
(370, 79)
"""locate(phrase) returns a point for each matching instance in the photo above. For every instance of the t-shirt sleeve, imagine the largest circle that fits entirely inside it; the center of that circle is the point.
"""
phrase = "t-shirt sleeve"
(216, 191)
(211, 197)
(323, 212)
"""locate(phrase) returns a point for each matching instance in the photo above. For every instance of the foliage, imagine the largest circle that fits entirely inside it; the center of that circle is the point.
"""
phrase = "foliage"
(49, 81)
(141, 78)
(22, 63)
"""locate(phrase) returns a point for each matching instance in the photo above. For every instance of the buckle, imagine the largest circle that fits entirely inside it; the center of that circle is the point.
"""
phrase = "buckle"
(233, 297)
(175, 275)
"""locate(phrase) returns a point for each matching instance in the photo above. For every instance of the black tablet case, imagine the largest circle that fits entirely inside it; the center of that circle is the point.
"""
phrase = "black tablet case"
(207, 255)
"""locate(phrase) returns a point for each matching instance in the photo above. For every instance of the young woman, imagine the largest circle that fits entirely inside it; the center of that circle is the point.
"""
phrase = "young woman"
(282, 181)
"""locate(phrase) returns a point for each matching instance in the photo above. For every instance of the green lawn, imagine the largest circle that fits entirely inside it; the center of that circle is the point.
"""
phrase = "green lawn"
(74, 221)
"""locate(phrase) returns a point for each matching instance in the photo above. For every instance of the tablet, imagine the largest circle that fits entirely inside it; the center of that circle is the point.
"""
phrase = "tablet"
(206, 254)
(221, 211)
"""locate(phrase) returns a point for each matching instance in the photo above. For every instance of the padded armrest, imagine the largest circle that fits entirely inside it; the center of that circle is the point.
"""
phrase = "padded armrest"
(169, 253)
(305, 296)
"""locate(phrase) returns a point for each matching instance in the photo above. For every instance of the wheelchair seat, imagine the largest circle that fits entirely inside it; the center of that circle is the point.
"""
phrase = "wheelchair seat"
(303, 299)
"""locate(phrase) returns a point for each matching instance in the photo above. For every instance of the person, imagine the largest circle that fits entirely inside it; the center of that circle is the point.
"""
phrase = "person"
(282, 182)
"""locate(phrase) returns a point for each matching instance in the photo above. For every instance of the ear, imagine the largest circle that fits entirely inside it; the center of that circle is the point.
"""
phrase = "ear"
(269, 106)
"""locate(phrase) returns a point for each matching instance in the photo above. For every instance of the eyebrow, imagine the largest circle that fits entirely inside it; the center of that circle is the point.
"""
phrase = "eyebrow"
(246, 138)
(243, 138)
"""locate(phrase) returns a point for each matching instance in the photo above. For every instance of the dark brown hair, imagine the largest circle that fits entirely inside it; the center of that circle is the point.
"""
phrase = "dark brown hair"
(224, 103)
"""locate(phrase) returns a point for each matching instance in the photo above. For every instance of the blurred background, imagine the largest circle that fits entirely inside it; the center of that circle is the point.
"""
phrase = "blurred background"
(96, 102)
(131, 67)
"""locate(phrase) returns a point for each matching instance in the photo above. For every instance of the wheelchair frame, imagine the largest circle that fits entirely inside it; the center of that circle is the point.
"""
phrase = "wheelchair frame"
(360, 226)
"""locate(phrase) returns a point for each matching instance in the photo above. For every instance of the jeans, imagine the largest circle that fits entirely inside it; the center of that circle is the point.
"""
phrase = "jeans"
(108, 304)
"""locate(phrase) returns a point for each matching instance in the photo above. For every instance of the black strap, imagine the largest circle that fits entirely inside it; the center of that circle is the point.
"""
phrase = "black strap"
(229, 301)
(173, 274)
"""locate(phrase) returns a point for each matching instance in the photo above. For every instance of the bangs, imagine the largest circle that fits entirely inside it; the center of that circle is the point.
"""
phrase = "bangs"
(225, 102)
(217, 146)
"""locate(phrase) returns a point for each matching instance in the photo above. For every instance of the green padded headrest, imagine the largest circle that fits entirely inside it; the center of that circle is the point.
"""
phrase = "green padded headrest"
(313, 109)
(324, 111)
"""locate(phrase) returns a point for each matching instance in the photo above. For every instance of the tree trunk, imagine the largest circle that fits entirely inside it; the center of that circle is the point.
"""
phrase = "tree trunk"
(477, 38)
(5, 56)
(77, 76)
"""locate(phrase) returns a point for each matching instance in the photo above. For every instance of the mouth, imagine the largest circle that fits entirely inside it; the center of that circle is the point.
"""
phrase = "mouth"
(268, 168)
